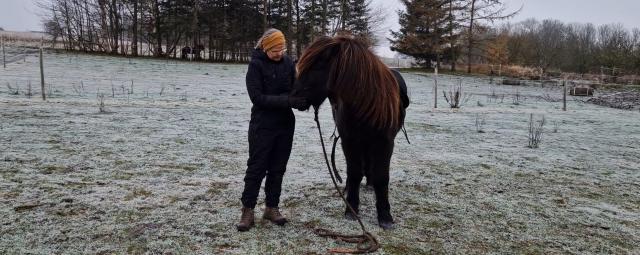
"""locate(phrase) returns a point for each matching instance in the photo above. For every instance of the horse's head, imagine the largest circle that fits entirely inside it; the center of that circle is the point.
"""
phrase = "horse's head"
(314, 70)
(312, 85)
(343, 69)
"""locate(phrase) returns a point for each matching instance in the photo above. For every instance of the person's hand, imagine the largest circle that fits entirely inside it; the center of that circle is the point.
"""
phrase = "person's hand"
(297, 102)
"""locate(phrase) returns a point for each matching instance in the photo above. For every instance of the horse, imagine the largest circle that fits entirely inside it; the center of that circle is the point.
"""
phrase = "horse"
(195, 51)
(368, 102)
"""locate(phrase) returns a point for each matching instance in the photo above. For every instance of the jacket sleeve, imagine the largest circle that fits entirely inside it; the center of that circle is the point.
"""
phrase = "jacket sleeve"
(254, 88)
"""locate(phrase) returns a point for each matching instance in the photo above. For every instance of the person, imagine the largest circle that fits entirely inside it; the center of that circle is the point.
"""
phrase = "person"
(269, 80)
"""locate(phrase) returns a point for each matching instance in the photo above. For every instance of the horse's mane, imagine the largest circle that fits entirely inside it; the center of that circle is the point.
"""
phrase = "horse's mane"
(357, 77)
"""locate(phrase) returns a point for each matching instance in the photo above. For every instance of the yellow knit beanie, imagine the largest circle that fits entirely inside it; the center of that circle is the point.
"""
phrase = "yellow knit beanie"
(271, 39)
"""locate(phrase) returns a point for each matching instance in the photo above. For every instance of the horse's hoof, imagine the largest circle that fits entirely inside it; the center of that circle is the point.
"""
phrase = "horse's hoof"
(386, 225)
(350, 216)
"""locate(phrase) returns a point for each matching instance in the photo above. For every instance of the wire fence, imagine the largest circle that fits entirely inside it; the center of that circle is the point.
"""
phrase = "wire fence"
(29, 42)
(398, 62)
(18, 45)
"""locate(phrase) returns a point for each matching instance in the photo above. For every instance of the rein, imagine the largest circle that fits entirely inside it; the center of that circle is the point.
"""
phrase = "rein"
(366, 242)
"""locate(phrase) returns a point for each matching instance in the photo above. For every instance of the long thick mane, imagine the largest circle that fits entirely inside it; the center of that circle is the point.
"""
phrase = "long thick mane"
(357, 78)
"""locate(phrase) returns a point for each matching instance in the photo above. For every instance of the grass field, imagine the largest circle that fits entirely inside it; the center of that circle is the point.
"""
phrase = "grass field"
(160, 170)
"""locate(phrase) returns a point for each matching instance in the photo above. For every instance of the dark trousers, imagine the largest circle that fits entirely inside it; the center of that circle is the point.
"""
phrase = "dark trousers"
(269, 151)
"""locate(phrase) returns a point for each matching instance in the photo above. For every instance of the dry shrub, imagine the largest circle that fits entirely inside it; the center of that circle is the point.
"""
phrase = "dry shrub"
(536, 129)
(101, 106)
(457, 97)
(629, 79)
(528, 73)
(522, 72)
(480, 122)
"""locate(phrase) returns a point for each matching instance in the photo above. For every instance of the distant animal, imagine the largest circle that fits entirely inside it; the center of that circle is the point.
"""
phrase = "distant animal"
(193, 53)
(368, 101)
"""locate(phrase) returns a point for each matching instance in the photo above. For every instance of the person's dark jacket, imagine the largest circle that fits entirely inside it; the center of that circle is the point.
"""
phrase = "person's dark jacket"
(269, 84)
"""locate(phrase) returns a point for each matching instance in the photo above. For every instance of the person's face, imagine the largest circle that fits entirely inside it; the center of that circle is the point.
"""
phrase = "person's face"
(276, 53)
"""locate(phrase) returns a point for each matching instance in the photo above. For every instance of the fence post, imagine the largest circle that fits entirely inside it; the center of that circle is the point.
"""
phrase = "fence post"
(564, 95)
(4, 59)
(435, 89)
(541, 74)
(44, 97)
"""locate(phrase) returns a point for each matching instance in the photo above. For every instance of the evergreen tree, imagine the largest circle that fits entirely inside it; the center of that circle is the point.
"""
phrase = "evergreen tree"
(314, 25)
(359, 19)
(425, 30)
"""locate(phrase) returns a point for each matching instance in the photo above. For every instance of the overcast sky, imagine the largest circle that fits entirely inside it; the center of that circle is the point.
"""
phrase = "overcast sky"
(22, 15)
(598, 12)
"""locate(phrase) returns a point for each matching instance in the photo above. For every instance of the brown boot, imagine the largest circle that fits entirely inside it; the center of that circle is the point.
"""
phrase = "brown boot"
(246, 220)
(273, 214)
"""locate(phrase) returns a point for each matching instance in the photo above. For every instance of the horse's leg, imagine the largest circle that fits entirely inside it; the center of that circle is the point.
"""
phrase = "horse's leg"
(380, 180)
(354, 176)
(367, 173)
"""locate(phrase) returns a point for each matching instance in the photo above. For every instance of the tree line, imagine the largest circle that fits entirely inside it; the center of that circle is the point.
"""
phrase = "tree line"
(431, 31)
(229, 29)
(445, 30)
(453, 31)
(554, 45)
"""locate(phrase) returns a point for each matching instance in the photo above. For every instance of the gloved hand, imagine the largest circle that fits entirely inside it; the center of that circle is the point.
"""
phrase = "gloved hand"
(297, 102)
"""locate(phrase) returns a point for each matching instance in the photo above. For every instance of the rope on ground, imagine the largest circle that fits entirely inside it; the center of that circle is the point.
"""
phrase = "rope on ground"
(366, 242)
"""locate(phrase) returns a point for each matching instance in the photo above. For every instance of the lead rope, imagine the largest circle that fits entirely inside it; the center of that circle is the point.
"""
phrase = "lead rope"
(333, 157)
(366, 242)
(405, 133)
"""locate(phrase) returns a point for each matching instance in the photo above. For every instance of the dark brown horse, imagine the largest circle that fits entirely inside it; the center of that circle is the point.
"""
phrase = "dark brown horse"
(368, 109)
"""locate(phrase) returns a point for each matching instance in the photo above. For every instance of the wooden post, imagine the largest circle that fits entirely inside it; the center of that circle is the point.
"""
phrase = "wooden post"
(44, 97)
(435, 89)
(541, 74)
(491, 70)
(564, 95)
(4, 59)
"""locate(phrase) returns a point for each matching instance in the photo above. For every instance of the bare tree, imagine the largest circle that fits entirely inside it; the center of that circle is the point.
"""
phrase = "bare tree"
(134, 11)
(479, 11)
(580, 41)
(550, 41)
